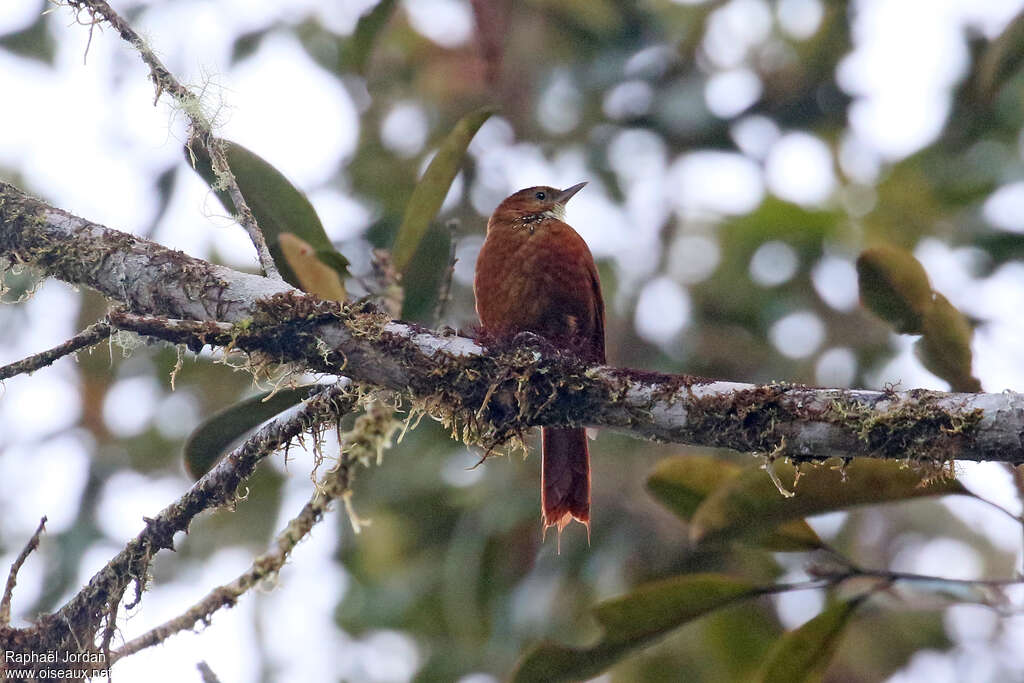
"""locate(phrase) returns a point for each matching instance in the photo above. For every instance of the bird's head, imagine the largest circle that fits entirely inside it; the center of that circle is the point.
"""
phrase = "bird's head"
(535, 204)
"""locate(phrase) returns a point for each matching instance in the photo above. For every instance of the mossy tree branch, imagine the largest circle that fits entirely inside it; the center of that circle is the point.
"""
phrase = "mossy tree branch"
(93, 610)
(201, 126)
(333, 485)
(490, 395)
(12, 576)
(90, 336)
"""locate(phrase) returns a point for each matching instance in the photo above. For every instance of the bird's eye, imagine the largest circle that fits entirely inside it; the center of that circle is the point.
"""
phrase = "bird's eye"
(540, 195)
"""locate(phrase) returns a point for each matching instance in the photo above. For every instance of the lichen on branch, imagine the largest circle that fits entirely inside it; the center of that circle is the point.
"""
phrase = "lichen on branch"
(93, 610)
(489, 393)
(201, 132)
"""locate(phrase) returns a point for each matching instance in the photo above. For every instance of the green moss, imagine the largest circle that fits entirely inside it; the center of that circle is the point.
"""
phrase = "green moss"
(916, 428)
(743, 420)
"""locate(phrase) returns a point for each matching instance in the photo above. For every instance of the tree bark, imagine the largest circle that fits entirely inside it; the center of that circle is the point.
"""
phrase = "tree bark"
(490, 394)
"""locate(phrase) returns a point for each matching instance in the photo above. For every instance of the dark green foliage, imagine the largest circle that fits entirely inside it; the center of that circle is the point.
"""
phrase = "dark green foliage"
(278, 206)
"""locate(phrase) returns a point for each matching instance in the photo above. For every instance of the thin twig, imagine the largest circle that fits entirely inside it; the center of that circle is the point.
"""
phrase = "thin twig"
(89, 607)
(93, 334)
(192, 333)
(207, 673)
(996, 506)
(848, 570)
(331, 487)
(1017, 475)
(12, 577)
(444, 294)
(201, 134)
(927, 578)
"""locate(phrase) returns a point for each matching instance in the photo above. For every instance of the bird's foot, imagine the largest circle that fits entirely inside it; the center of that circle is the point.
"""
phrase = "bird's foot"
(527, 338)
(533, 340)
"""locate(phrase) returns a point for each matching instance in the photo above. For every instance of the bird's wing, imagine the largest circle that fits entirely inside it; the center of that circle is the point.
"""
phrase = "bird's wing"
(597, 338)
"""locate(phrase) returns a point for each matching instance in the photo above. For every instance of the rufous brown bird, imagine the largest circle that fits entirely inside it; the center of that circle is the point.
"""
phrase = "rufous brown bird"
(536, 274)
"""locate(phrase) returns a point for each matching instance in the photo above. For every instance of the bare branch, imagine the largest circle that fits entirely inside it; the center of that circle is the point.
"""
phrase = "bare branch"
(332, 486)
(93, 334)
(12, 577)
(202, 127)
(1017, 476)
(834, 566)
(74, 626)
(207, 673)
(115, 264)
(490, 396)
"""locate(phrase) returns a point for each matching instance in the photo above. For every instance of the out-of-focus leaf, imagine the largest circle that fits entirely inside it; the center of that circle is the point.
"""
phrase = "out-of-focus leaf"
(802, 229)
(750, 505)
(34, 42)
(599, 17)
(211, 439)
(661, 605)
(632, 621)
(277, 205)
(945, 348)
(682, 483)
(430, 192)
(314, 276)
(334, 260)
(775, 219)
(894, 286)
(246, 44)
(1001, 59)
(356, 51)
(1001, 247)
(804, 654)
(165, 184)
(421, 280)
(907, 204)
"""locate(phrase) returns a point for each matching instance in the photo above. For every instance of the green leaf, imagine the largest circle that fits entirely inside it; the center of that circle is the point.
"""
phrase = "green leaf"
(945, 347)
(211, 439)
(333, 259)
(750, 505)
(278, 206)
(894, 286)
(632, 621)
(1001, 59)
(658, 606)
(430, 192)
(802, 229)
(33, 42)
(315, 276)
(356, 51)
(804, 654)
(682, 483)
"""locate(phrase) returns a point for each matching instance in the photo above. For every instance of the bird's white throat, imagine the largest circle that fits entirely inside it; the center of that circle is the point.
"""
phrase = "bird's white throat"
(557, 212)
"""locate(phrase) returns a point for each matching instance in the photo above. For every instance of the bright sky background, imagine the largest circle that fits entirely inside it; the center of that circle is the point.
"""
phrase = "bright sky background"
(90, 143)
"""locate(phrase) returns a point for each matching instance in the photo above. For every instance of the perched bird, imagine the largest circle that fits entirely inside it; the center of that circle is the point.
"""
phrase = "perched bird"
(536, 274)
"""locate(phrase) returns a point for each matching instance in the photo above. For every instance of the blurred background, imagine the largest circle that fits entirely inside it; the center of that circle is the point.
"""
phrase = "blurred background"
(739, 156)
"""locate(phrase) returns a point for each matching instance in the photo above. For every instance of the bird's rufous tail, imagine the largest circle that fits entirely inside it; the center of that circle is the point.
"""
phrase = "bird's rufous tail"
(565, 477)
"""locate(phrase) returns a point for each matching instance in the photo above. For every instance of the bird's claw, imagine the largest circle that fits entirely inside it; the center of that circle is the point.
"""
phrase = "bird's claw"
(532, 340)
